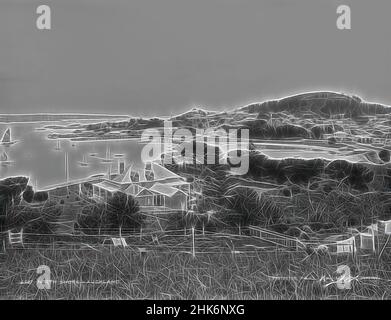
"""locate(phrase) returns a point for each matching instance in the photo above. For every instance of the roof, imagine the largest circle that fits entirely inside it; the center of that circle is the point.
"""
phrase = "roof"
(144, 192)
(125, 176)
(162, 173)
(110, 186)
(164, 189)
(176, 183)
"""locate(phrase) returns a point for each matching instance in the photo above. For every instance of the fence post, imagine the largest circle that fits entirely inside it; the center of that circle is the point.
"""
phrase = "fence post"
(193, 242)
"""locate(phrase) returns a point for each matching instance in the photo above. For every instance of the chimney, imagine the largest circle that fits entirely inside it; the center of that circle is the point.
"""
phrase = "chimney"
(148, 166)
(149, 175)
(135, 177)
(121, 167)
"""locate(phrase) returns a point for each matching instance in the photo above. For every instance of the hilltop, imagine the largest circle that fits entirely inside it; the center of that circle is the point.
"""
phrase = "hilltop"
(306, 115)
(322, 103)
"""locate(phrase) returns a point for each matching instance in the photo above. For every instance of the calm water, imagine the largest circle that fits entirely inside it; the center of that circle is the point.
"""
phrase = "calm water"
(303, 151)
(35, 156)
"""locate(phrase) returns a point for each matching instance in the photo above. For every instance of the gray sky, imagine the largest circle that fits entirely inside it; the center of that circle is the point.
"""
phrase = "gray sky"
(154, 57)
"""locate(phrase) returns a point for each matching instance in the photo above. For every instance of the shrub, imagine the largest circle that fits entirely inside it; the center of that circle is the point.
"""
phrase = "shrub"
(28, 194)
(10, 191)
(90, 219)
(181, 220)
(39, 220)
(122, 211)
(40, 196)
(384, 155)
(245, 207)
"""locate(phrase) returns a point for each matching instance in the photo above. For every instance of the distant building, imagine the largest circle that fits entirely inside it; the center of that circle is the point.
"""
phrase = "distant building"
(363, 139)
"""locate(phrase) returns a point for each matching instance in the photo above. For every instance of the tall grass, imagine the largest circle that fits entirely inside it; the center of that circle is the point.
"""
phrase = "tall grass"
(264, 275)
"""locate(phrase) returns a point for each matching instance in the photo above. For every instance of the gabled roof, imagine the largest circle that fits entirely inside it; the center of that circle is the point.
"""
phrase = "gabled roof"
(162, 173)
(125, 176)
(144, 192)
(159, 172)
(129, 189)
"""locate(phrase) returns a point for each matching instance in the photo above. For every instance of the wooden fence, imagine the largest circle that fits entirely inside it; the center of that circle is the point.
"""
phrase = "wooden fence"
(275, 238)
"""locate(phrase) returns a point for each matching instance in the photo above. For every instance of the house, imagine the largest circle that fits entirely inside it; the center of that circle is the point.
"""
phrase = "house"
(346, 245)
(154, 187)
(375, 237)
(364, 139)
(340, 244)
(367, 241)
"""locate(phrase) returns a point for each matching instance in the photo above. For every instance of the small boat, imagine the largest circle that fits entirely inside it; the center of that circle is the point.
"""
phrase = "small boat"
(84, 162)
(58, 146)
(107, 159)
(94, 153)
(4, 159)
(6, 139)
(118, 155)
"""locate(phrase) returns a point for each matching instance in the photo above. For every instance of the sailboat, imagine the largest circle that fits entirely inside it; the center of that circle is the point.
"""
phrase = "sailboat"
(107, 159)
(4, 159)
(84, 162)
(58, 146)
(6, 139)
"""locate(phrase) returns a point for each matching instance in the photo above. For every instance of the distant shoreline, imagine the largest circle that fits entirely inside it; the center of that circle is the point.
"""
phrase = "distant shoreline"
(50, 117)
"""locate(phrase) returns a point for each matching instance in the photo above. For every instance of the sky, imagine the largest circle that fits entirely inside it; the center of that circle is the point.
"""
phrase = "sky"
(161, 57)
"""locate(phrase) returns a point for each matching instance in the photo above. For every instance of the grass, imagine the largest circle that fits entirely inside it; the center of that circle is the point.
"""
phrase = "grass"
(263, 275)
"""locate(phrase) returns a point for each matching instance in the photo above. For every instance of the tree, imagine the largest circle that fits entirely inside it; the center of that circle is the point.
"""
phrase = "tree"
(28, 194)
(122, 211)
(10, 190)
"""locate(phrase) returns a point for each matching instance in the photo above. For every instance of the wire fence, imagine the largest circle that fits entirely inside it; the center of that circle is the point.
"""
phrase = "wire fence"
(192, 242)
(182, 241)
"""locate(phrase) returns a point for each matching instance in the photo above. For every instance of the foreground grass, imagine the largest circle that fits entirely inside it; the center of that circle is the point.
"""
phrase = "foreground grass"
(263, 275)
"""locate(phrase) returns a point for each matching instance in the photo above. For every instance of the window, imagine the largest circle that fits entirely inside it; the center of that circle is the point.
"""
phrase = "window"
(158, 200)
(366, 241)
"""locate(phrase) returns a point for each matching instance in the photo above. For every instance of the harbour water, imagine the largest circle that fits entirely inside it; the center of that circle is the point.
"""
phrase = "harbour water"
(35, 156)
